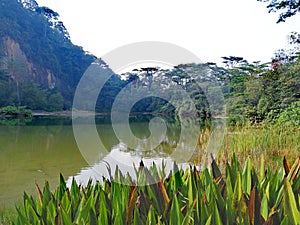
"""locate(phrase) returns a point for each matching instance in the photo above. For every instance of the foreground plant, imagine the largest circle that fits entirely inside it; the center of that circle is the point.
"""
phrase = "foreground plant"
(239, 196)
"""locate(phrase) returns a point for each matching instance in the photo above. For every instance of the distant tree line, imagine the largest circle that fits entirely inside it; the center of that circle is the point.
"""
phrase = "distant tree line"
(254, 92)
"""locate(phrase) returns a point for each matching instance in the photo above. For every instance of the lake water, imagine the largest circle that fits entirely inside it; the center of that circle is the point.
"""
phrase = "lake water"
(38, 150)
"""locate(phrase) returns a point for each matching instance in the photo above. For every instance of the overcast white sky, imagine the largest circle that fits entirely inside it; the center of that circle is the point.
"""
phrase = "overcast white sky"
(208, 28)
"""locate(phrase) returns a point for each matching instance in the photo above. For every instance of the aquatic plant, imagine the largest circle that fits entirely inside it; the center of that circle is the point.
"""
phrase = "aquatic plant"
(237, 196)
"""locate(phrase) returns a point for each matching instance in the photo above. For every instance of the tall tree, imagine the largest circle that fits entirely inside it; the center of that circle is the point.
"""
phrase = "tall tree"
(288, 8)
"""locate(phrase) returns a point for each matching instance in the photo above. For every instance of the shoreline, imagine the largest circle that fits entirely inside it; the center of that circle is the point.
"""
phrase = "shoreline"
(68, 113)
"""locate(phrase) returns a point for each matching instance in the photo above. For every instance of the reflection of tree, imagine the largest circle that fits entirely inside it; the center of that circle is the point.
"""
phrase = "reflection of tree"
(15, 121)
(174, 144)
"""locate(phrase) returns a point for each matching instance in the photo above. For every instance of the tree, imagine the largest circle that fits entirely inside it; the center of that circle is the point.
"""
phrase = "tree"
(33, 96)
(291, 53)
(288, 7)
(53, 20)
(233, 61)
(29, 4)
(55, 102)
(149, 74)
(45, 49)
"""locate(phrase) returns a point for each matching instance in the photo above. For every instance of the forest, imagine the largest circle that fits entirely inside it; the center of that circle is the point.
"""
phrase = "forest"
(253, 91)
(35, 45)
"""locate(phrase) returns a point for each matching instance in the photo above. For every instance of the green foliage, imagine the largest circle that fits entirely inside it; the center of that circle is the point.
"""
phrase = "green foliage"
(239, 196)
(15, 111)
(260, 94)
(254, 93)
(31, 95)
(46, 44)
(108, 94)
(37, 99)
(258, 141)
(288, 7)
(7, 215)
(55, 101)
(15, 121)
(193, 79)
(290, 116)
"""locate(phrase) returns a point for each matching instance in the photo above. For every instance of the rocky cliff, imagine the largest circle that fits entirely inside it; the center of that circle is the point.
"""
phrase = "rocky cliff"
(37, 55)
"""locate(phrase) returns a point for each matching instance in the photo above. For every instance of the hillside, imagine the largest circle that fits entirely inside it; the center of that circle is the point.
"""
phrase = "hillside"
(39, 65)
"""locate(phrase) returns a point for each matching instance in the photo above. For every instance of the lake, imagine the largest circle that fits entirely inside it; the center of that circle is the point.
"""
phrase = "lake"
(38, 150)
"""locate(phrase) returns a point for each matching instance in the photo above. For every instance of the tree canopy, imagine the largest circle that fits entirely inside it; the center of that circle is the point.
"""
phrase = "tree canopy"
(47, 54)
(287, 8)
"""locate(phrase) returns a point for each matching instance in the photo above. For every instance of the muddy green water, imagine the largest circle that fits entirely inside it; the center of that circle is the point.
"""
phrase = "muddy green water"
(38, 150)
(34, 153)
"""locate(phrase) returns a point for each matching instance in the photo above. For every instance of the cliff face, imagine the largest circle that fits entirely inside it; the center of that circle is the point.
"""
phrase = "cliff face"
(16, 65)
(36, 51)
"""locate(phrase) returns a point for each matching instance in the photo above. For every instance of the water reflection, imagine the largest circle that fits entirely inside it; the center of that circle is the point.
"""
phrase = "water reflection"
(38, 150)
(113, 151)
(123, 159)
(34, 153)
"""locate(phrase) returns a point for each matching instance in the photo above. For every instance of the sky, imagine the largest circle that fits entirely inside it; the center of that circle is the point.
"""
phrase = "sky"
(210, 29)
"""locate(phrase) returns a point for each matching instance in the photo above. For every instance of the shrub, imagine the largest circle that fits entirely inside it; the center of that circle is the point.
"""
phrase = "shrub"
(290, 116)
(15, 111)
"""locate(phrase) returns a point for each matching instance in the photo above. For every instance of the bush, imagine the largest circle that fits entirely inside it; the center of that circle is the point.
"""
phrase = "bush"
(15, 111)
(290, 116)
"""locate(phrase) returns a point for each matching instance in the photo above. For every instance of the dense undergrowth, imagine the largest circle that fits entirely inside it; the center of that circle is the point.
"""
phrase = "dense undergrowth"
(236, 196)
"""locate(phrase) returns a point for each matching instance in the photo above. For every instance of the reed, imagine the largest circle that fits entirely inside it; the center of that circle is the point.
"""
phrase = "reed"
(271, 143)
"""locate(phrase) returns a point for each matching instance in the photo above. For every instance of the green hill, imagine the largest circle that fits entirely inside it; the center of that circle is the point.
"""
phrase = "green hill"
(39, 65)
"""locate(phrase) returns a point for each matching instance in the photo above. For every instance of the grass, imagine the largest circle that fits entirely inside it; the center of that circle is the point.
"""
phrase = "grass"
(271, 143)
